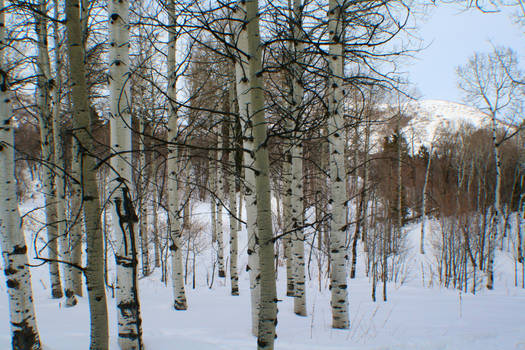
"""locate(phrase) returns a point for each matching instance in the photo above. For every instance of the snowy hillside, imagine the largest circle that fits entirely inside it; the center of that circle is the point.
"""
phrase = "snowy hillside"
(418, 315)
(431, 116)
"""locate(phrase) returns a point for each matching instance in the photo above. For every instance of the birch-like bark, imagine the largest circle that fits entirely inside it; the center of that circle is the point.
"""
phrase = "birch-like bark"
(94, 271)
(298, 235)
(338, 253)
(232, 198)
(297, 206)
(177, 274)
(76, 217)
(265, 243)
(124, 216)
(424, 201)
(24, 331)
(220, 199)
(212, 183)
(156, 238)
(287, 217)
(143, 185)
(245, 108)
(494, 230)
(234, 274)
(366, 171)
(45, 118)
(399, 221)
(60, 183)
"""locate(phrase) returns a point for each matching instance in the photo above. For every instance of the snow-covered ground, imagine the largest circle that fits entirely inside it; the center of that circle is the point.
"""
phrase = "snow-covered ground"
(414, 317)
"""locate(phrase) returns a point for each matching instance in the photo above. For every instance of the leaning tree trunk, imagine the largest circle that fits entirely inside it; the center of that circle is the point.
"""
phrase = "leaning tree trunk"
(124, 216)
(24, 331)
(338, 253)
(94, 271)
(265, 243)
(179, 294)
(245, 108)
(45, 117)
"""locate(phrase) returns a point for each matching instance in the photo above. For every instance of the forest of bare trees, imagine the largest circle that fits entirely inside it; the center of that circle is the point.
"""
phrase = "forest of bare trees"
(288, 121)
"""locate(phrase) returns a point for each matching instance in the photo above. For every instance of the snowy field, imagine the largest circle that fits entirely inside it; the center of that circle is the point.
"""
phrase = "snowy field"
(414, 317)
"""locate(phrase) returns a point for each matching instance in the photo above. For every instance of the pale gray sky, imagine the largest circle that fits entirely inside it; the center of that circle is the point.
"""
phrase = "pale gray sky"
(454, 35)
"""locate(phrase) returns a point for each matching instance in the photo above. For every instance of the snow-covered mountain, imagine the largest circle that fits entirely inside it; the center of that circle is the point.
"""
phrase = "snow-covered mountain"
(431, 116)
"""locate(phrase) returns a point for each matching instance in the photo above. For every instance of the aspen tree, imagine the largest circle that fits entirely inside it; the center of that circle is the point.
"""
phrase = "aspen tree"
(232, 198)
(75, 225)
(287, 215)
(424, 201)
(399, 206)
(338, 254)
(265, 243)
(60, 183)
(24, 331)
(366, 171)
(489, 82)
(494, 234)
(124, 217)
(179, 294)
(45, 118)
(94, 271)
(297, 205)
(245, 108)
(220, 198)
(156, 238)
(298, 234)
(75, 222)
(143, 186)
(212, 184)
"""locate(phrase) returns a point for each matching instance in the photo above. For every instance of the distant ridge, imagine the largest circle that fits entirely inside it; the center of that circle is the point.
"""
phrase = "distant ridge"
(430, 116)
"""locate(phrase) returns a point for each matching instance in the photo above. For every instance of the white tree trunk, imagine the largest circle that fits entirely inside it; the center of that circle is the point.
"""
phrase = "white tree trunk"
(424, 202)
(60, 183)
(265, 243)
(212, 183)
(234, 273)
(297, 206)
(220, 202)
(179, 294)
(338, 253)
(287, 217)
(24, 332)
(366, 171)
(75, 222)
(94, 271)
(124, 216)
(494, 229)
(156, 238)
(243, 99)
(298, 235)
(48, 157)
(143, 185)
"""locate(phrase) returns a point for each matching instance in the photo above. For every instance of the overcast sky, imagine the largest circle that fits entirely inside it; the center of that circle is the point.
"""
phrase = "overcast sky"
(453, 36)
